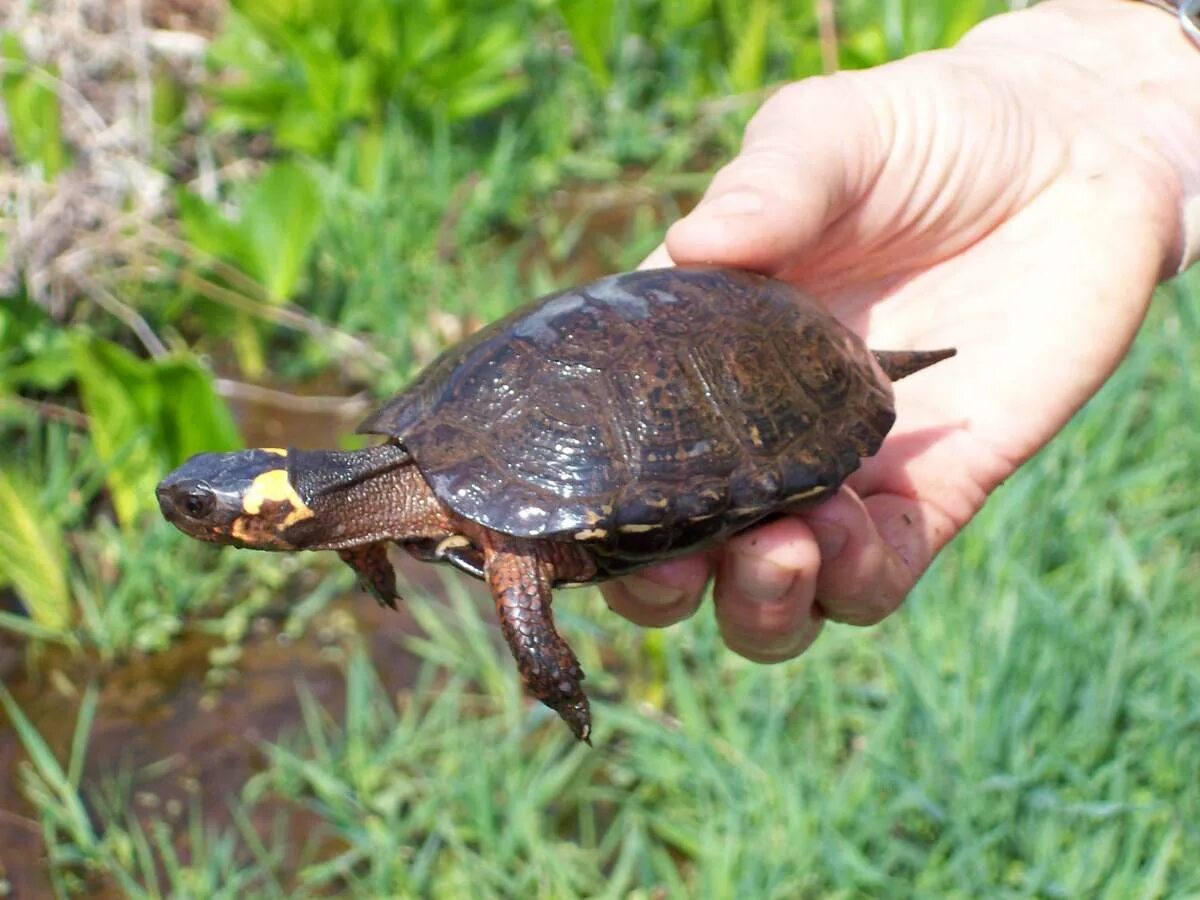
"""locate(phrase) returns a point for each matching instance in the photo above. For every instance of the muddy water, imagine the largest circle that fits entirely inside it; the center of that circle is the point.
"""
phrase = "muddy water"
(163, 719)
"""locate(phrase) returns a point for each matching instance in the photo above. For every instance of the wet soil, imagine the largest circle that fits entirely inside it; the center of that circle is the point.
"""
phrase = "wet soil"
(163, 723)
(180, 735)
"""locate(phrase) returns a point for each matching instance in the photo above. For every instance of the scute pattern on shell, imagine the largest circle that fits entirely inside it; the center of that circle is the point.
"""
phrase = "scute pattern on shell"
(644, 414)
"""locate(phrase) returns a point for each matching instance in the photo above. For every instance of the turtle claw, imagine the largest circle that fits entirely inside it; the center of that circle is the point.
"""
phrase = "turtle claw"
(374, 570)
(387, 600)
(576, 712)
(551, 673)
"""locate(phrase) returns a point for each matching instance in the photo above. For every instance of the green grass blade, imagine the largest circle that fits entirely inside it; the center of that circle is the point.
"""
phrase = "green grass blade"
(31, 629)
(79, 739)
(51, 772)
(32, 555)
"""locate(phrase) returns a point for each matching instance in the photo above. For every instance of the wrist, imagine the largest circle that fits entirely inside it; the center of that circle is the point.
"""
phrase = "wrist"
(1161, 81)
(1131, 71)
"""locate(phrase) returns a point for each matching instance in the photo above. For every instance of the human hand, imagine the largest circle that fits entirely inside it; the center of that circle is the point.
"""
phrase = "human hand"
(1017, 197)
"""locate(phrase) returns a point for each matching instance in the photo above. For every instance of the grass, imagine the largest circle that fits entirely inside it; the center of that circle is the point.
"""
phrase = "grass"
(1027, 726)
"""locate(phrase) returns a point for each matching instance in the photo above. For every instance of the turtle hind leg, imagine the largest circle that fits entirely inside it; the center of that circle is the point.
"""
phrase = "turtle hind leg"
(375, 573)
(521, 580)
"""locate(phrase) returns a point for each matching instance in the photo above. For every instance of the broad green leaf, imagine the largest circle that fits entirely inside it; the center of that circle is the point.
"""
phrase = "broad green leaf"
(19, 318)
(750, 47)
(33, 556)
(473, 100)
(322, 68)
(434, 43)
(251, 105)
(301, 127)
(122, 405)
(307, 71)
(146, 416)
(279, 221)
(34, 349)
(33, 110)
(272, 240)
(591, 24)
(357, 94)
(248, 346)
(277, 17)
(48, 370)
(194, 418)
(686, 14)
(207, 229)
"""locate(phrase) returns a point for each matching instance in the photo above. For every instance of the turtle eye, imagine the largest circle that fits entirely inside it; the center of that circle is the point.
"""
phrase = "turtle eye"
(197, 502)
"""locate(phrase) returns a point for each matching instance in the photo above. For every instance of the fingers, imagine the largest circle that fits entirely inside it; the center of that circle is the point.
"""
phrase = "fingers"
(660, 595)
(772, 203)
(764, 592)
(863, 578)
(846, 560)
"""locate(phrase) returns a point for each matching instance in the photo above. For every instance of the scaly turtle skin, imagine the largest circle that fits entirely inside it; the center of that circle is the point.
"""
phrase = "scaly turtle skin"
(585, 435)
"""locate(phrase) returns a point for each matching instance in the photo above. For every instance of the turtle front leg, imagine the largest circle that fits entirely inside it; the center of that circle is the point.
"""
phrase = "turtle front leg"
(520, 578)
(375, 573)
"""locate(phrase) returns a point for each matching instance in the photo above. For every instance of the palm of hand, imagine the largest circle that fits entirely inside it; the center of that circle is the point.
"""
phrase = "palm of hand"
(1015, 249)
(961, 207)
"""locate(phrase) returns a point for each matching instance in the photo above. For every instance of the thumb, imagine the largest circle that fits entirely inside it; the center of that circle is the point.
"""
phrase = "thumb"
(809, 154)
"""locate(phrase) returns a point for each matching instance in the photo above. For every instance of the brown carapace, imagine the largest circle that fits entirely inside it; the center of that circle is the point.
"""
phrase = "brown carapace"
(585, 435)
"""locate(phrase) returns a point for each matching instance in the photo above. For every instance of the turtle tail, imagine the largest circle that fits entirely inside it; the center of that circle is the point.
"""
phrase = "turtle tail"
(896, 364)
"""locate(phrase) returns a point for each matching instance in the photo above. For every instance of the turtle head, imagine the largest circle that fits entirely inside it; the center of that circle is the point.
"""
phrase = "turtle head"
(245, 498)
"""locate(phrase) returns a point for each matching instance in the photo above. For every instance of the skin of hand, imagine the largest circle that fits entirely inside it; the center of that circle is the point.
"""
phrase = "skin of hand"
(1017, 197)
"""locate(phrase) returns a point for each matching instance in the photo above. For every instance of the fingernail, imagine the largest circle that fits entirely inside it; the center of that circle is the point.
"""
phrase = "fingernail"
(831, 538)
(759, 579)
(650, 593)
(735, 203)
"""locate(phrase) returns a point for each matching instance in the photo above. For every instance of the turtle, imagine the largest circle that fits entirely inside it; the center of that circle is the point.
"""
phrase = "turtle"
(586, 434)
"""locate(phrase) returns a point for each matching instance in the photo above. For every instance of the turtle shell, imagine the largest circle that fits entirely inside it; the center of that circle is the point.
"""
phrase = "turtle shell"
(644, 414)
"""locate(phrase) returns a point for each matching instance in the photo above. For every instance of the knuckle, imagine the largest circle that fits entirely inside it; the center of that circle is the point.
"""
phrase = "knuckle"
(860, 611)
(649, 611)
(794, 102)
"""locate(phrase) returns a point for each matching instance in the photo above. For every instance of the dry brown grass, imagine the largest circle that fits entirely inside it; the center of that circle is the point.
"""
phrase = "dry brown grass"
(100, 229)
(68, 237)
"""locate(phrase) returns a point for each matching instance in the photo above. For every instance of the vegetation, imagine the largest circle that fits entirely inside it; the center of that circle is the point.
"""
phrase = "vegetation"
(317, 200)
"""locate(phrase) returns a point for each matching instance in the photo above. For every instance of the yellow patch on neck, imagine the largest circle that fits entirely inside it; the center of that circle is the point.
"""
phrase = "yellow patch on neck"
(278, 451)
(273, 486)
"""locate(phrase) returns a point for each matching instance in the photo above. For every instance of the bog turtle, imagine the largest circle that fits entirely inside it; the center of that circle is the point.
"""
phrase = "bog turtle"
(588, 433)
